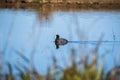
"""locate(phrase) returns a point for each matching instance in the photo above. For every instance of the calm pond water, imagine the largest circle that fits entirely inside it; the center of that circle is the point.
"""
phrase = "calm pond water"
(33, 34)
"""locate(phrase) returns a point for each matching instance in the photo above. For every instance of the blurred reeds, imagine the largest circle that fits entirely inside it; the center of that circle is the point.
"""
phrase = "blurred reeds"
(73, 72)
(90, 71)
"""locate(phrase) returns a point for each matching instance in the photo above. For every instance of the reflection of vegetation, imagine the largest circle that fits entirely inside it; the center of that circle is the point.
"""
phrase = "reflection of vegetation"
(45, 11)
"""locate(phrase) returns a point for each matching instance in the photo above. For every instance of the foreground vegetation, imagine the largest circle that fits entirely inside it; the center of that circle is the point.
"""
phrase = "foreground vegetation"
(89, 71)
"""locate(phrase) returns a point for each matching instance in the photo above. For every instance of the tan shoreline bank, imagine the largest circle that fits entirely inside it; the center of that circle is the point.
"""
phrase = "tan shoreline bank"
(62, 6)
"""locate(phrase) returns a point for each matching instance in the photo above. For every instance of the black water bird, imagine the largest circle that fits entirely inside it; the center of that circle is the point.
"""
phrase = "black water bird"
(60, 41)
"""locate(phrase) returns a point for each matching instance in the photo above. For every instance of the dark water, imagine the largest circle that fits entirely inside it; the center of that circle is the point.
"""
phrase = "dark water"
(32, 33)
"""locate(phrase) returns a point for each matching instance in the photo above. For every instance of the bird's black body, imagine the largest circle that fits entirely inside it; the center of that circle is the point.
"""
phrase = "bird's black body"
(60, 41)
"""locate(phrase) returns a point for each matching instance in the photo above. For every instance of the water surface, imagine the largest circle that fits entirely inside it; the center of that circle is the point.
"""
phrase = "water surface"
(33, 33)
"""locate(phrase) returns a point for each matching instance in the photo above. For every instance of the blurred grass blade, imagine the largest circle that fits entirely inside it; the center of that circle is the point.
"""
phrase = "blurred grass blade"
(22, 56)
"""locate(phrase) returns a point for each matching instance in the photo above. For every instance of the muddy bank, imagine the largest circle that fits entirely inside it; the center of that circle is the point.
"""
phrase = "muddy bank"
(61, 6)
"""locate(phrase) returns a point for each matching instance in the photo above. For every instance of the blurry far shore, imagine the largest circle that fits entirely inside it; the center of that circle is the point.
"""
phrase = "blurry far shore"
(69, 5)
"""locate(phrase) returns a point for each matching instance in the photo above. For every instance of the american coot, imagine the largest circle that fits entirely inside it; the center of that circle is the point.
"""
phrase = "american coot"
(60, 41)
